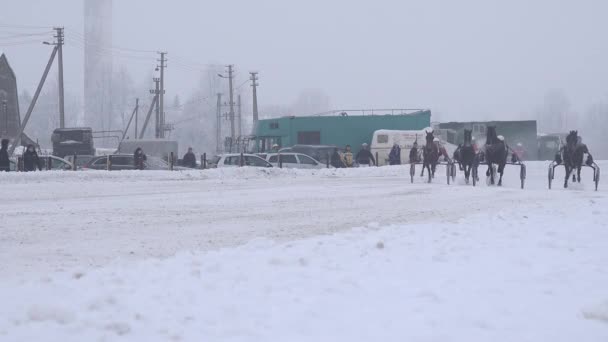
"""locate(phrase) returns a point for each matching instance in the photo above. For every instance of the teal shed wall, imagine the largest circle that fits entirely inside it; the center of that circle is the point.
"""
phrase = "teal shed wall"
(340, 130)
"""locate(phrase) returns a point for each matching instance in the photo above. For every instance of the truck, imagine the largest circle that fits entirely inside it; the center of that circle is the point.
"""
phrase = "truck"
(71, 141)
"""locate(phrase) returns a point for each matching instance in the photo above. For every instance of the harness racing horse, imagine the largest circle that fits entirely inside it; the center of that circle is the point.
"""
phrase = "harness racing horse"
(572, 155)
(496, 153)
(430, 153)
(465, 155)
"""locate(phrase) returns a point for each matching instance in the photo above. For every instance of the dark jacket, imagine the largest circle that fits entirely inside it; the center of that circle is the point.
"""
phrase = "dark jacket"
(5, 164)
(139, 159)
(394, 157)
(414, 155)
(336, 160)
(31, 162)
(364, 156)
(189, 160)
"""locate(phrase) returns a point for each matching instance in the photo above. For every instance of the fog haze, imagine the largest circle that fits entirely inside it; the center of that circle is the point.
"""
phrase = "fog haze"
(462, 59)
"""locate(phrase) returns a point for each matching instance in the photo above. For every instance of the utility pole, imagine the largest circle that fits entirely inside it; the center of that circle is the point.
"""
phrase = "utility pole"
(156, 93)
(240, 122)
(33, 103)
(254, 85)
(136, 115)
(218, 126)
(152, 105)
(59, 44)
(162, 67)
(124, 134)
(230, 77)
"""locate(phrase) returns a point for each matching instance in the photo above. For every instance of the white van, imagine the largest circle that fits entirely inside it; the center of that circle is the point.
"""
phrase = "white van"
(383, 140)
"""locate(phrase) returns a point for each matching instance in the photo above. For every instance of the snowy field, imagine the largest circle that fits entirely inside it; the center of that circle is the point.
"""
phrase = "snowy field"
(285, 255)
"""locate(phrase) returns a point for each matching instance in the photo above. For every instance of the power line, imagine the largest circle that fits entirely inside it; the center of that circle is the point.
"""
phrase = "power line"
(14, 35)
(23, 42)
(23, 27)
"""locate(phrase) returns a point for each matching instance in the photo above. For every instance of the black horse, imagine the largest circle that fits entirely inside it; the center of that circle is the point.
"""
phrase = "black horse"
(573, 154)
(431, 156)
(496, 153)
(465, 155)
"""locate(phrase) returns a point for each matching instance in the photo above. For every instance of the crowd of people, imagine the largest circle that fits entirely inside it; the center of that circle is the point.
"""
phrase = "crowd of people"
(31, 161)
(363, 158)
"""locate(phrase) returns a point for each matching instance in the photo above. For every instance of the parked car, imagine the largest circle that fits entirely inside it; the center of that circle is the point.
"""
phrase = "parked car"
(234, 159)
(56, 163)
(81, 160)
(318, 152)
(294, 161)
(126, 162)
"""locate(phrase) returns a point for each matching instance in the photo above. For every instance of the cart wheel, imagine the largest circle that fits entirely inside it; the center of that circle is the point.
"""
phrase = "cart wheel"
(412, 171)
(453, 172)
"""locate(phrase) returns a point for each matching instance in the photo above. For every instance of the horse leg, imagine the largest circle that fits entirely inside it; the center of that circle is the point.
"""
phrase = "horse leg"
(567, 176)
(578, 173)
(490, 173)
(501, 171)
(467, 172)
(433, 167)
(422, 173)
(429, 172)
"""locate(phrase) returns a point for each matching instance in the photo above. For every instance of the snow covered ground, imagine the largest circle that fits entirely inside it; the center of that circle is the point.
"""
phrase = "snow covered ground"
(294, 255)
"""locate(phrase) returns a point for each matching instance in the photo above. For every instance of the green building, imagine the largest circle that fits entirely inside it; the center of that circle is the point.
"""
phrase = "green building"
(336, 130)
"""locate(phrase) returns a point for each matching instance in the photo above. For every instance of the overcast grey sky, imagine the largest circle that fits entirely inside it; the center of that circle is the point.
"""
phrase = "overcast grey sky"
(460, 58)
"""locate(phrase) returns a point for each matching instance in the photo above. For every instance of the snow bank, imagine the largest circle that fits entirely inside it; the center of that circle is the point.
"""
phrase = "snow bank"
(536, 175)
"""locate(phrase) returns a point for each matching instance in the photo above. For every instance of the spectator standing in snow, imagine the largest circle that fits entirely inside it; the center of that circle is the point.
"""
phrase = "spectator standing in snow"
(348, 157)
(275, 148)
(442, 151)
(414, 154)
(336, 159)
(31, 162)
(139, 158)
(5, 164)
(189, 159)
(394, 157)
(364, 157)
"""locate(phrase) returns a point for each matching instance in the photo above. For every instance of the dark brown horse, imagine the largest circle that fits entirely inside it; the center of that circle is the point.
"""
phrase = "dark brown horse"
(465, 155)
(496, 153)
(431, 155)
(573, 154)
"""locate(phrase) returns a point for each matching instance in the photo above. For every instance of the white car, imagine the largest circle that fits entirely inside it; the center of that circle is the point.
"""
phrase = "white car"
(234, 160)
(294, 161)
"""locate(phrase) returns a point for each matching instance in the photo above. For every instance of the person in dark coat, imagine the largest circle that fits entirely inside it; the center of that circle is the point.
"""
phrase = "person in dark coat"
(189, 159)
(5, 163)
(139, 158)
(414, 155)
(394, 157)
(364, 156)
(336, 159)
(31, 162)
